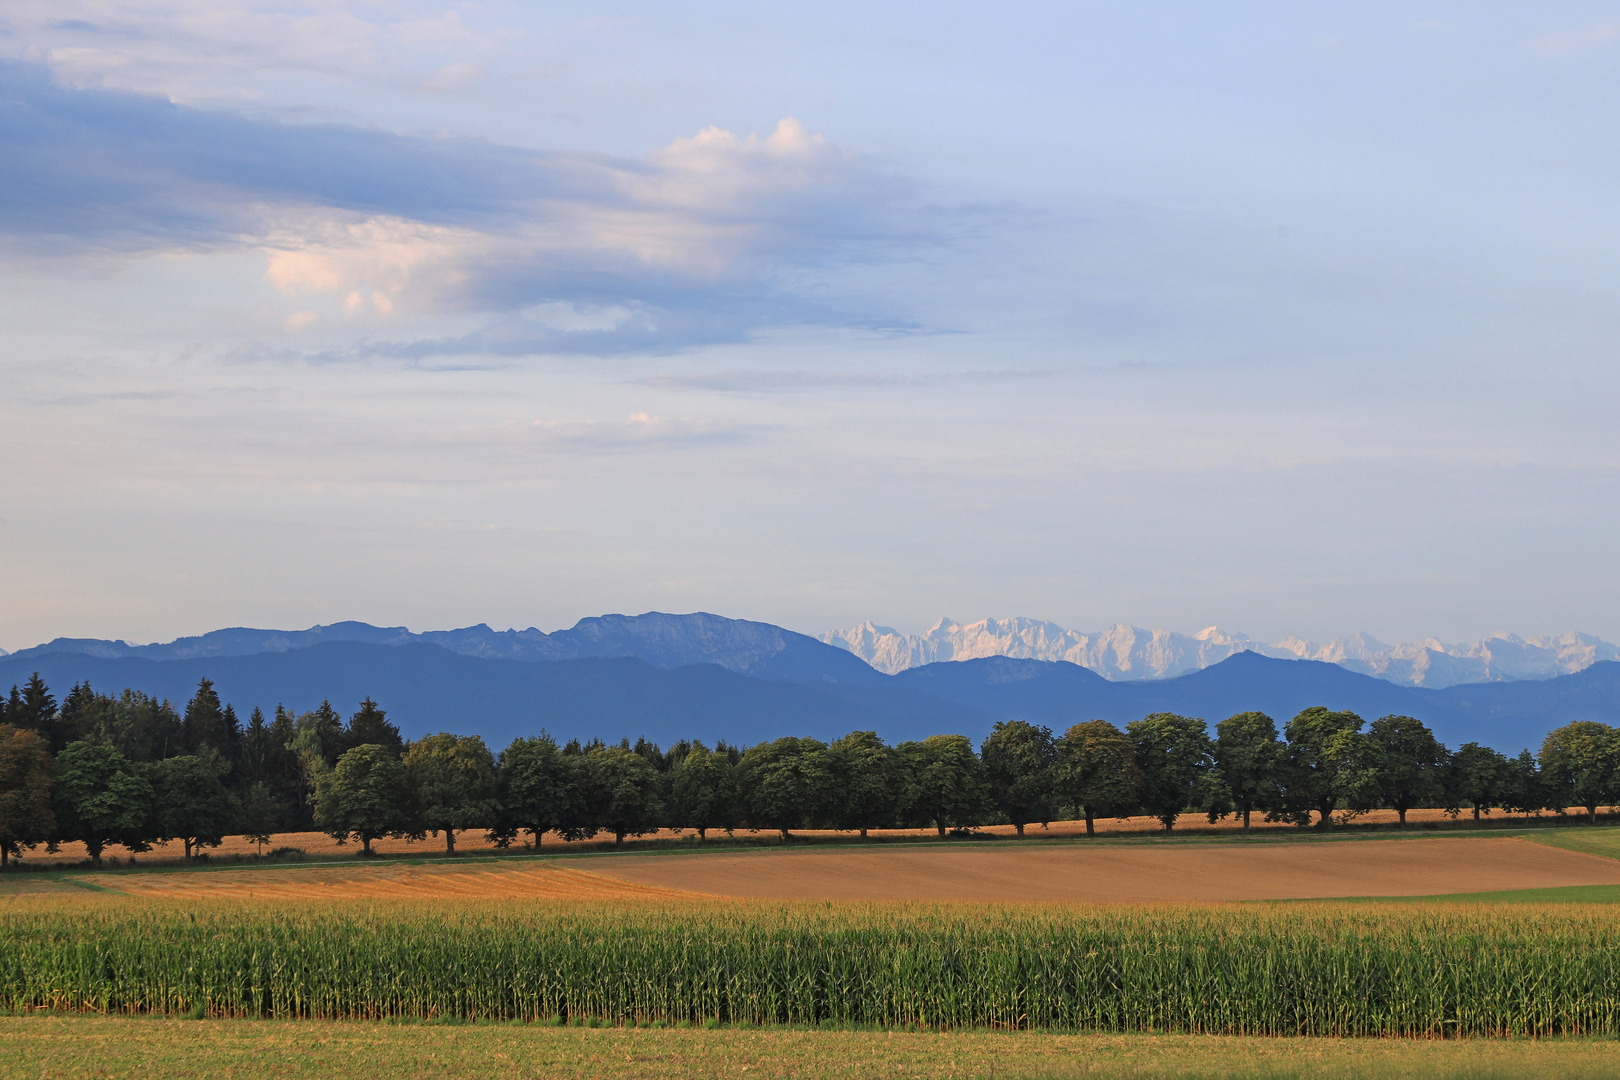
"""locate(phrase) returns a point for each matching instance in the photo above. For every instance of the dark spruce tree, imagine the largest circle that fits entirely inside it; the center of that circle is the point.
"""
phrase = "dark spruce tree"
(370, 726)
(210, 729)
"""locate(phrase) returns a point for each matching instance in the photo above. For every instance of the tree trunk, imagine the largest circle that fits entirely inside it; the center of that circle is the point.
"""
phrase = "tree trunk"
(863, 832)
(449, 841)
(1591, 813)
(1401, 812)
(1326, 820)
(618, 838)
(1246, 810)
(537, 834)
(1020, 827)
(703, 833)
(94, 847)
(1476, 811)
(939, 823)
(365, 843)
(186, 840)
(1091, 830)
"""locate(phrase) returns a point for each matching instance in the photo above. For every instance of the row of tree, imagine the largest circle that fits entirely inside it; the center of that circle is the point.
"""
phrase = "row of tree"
(133, 771)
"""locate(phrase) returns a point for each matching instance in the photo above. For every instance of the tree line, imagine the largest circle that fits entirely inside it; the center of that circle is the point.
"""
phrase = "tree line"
(132, 771)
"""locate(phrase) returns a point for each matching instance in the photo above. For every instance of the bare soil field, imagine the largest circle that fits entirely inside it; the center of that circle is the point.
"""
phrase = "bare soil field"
(1135, 873)
(440, 881)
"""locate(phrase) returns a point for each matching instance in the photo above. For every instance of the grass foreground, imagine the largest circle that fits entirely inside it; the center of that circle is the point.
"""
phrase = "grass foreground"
(50, 1047)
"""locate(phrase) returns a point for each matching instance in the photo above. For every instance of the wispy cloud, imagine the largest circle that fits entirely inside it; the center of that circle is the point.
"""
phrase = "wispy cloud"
(1562, 42)
(701, 240)
(766, 382)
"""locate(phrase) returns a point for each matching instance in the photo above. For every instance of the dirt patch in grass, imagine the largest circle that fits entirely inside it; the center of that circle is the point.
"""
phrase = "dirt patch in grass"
(1124, 873)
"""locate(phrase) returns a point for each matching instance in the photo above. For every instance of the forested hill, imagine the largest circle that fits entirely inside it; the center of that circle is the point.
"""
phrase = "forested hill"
(425, 688)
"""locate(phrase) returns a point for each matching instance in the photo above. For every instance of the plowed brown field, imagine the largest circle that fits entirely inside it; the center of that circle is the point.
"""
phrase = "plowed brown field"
(1125, 873)
(1081, 873)
(479, 881)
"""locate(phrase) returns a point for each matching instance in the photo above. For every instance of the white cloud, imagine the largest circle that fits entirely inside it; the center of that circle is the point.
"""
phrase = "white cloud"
(704, 209)
(224, 50)
(454, 77)
(1570, 41)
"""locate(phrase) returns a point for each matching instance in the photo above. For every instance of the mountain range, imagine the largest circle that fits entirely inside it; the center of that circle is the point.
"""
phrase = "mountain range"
(1124, 653)
(669, 677)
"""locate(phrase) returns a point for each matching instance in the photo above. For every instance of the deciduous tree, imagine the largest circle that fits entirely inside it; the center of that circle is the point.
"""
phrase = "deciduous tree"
(1320, 751)
(622, 792)
(452, 780)
(1479, 777)
(102, 798)
(947, 787)
(1411, 764)
(539, 790)
(26, 818)
(785, 784)
(703, 791)
(1248, 755)
(1097, 771)
(364, 796)
(1173, 754)
(192, 805)
(1580, 763)
(1020, 764)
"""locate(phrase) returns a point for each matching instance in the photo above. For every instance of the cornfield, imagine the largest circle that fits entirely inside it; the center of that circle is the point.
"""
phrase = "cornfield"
(1337, 970)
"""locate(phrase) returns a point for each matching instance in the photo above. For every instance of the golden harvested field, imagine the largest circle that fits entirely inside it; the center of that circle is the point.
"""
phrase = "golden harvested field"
(320, 845)
(1125, 873)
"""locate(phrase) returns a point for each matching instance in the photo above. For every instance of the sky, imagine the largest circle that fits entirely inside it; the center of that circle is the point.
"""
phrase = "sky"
(1291, 318)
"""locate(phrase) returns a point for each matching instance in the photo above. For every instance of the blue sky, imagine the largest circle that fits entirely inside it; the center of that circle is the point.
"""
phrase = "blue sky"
(1294, 318)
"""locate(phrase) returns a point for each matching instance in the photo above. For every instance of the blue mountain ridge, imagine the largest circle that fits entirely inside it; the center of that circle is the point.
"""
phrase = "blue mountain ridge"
(668, 677)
